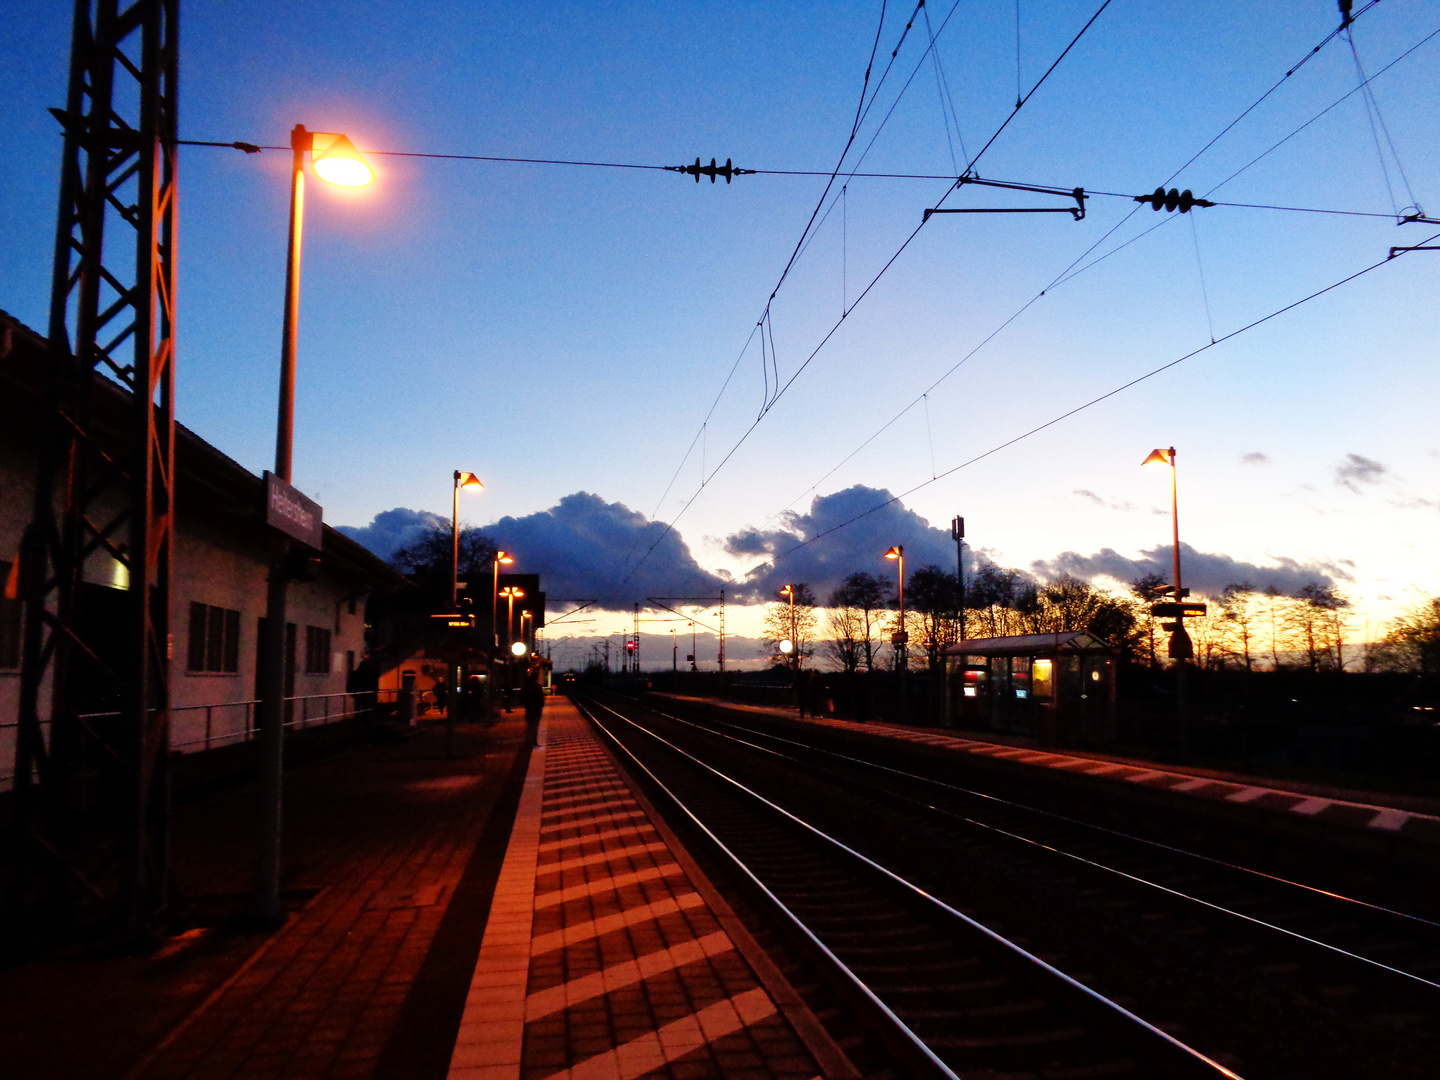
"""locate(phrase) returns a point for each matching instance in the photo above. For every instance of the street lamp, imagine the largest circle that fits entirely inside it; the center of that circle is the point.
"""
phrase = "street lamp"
(1180, 647)
(500, 557)
(900, 638)
(794, 650)
(511, 594)
(336, 161)
(462, 480)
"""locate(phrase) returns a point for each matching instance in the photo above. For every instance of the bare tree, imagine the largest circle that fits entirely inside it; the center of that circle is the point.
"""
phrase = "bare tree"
(795, 623)
(846, 631)
(933, 595)
(1143, 589)
(1238, 610)
(863, 596)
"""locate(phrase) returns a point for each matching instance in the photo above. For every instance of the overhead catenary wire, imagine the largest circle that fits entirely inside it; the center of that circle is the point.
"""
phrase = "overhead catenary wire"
(1075, 268)
(744, 437)
(1087, 405)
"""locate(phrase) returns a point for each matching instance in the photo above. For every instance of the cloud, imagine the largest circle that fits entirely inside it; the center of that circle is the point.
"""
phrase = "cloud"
(860, 545)
(1254, 457)
(1204, 572)
(584, 547)
(1356, 470)
(581, 547)
(390, 530)
(1090, 496)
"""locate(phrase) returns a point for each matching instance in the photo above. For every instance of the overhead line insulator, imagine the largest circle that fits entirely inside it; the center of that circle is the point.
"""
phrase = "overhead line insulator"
(712, 170)
(1172, 200)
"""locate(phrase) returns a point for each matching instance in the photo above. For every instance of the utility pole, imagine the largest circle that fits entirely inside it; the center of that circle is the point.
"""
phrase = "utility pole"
(957, 533)
(637, 638)
(721, 656)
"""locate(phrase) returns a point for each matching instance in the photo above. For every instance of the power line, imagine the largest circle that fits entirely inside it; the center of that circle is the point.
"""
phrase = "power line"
(1092, 402)
(889, 263)
(1071, 272)
(253, 147)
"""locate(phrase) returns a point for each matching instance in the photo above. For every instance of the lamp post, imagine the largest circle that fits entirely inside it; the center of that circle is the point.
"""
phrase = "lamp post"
(794, 650)
(1180, 649)
(336, 161)
(1167, 457)
(900, 638)
(507, 558)
(462, 480)
(511, 594)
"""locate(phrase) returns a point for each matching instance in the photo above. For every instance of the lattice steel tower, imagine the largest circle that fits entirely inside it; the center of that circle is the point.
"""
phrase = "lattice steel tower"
(91, 778)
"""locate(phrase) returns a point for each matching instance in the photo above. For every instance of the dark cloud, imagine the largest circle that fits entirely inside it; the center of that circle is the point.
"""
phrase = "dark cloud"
(583, 547)
(1254, 457)
(1204, 572)
(391, 530)
(1356, 470)
(858, 546)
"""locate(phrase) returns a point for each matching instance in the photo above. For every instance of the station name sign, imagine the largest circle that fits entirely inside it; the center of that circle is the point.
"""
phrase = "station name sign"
(295, 515)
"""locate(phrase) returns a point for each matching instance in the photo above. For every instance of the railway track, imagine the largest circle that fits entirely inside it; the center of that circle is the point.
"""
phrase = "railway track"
(970, 911)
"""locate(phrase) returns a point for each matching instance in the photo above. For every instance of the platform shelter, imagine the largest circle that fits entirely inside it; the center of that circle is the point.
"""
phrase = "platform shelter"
(1059, 688)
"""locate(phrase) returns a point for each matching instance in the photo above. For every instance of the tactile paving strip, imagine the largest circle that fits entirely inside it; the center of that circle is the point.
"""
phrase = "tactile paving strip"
(601, 959)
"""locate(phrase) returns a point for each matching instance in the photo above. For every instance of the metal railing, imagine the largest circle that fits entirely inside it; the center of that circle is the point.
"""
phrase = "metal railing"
(312, 709)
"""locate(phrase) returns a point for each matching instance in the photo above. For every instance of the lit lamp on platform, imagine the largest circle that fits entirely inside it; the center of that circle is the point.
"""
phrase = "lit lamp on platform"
(1180, 647)
(335, 160)
(462, 480)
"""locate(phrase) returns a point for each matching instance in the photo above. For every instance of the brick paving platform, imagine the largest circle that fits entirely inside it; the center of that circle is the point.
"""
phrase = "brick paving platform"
(1361, 810)
(390, 832)
(608, 956)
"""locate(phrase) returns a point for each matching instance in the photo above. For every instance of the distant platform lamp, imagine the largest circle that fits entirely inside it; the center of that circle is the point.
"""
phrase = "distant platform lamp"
(462, 480)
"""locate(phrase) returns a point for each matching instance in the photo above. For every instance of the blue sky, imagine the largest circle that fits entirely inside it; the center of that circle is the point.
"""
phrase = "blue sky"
(561, 330)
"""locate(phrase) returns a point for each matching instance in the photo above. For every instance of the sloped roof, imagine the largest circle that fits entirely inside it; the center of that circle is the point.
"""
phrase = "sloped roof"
(210, 485)
(1074, 641)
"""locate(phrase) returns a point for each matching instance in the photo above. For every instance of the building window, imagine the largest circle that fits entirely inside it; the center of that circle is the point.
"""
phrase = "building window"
(214, 643)
(317, 650)
(9, 623)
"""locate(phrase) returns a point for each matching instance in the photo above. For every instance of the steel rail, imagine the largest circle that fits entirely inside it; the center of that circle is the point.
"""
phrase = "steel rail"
(1326, 894)
(1177, 1053)
(915, 1043)
(1336, 951)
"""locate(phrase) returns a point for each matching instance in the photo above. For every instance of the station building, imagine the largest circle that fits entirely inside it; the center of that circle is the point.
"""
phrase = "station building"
(218, 578)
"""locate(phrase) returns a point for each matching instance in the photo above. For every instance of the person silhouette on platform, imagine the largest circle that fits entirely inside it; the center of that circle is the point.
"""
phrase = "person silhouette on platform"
(532, 697)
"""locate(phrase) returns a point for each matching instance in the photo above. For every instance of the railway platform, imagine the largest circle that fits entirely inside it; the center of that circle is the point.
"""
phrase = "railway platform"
(1415, 819)
(607, 955)
(502, 912)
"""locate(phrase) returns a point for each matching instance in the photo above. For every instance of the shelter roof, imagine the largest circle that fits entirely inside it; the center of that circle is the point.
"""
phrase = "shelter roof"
(1074, 641)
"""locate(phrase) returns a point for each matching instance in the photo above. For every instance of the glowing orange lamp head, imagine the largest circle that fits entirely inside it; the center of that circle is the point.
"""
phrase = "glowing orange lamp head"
(336, 161)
